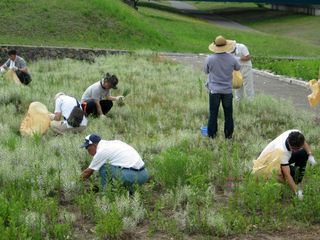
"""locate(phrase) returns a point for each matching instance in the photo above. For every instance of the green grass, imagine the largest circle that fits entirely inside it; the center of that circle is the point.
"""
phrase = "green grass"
(189, 193)
(221, 5)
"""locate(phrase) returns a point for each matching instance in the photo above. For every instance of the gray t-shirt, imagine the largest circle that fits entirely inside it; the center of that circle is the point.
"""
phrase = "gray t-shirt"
(219, 67)
(19, 62)
(95, 92)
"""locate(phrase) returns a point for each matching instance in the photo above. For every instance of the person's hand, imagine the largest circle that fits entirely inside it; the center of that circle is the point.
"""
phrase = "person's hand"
(102, 116)
(52, 115)
(2, 70)
(299, 194)
(120, 98)
(14, 68)
(312, 161)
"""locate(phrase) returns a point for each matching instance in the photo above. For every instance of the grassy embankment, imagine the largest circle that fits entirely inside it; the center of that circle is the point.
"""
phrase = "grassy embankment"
(112, 24)
(198, 187)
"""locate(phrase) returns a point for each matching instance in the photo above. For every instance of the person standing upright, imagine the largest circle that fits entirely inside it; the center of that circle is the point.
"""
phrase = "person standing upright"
(242, 54)
(219, 67)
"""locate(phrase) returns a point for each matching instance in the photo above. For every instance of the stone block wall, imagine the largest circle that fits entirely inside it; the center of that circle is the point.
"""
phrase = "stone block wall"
(33, 53)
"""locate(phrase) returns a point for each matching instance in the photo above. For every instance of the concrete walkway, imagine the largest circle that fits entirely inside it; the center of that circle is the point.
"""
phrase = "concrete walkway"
(182, 5)
(190, 9)
(280, 87)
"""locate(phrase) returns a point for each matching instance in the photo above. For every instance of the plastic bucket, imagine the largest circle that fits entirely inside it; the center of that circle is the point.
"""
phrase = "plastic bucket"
(204, 131)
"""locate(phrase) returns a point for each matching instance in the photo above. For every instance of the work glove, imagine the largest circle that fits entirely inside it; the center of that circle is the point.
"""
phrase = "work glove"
(102, 116)
(14, 68)
(120, 98)
(312, 161)
(299, 194)
(2, 70)
(52, 115)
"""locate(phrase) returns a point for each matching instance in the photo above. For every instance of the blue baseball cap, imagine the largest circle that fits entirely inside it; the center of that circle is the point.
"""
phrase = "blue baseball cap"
(90, 139)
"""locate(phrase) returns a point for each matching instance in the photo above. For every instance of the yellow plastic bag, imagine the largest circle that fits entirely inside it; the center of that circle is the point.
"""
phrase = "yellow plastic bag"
(268, 164)
(10, 75)
(37, 120)
(237, 80)
(314, 97)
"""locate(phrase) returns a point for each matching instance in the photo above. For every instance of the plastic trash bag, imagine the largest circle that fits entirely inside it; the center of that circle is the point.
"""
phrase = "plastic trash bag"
(268, 164)
(237, 80)
(314, 97)
(37, 120)
(10, 75)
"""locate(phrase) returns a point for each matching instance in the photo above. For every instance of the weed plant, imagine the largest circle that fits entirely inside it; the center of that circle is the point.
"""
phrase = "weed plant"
(198, 187)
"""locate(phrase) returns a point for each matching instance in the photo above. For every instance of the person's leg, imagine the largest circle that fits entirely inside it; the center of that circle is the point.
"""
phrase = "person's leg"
(24, 78)
(131, 177)
(106, 105)
(90, 107)
(228, 114)
(299, 159)
(239, 94)
(58, 127)
(103, 177)
(248, 81)
(214, 102)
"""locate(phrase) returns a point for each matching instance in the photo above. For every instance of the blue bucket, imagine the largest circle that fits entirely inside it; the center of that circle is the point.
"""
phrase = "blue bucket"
(204, 131)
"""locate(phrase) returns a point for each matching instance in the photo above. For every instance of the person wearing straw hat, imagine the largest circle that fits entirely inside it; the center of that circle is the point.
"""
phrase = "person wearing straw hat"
(219, 68)
(116, 158)
(242, 54)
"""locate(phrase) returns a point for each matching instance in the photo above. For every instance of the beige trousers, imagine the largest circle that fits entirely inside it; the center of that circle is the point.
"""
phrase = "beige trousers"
(60, 127)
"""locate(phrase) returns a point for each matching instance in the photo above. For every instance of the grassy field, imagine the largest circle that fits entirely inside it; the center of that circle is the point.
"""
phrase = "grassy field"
(221, 5)
(112, 24)
(199, 188)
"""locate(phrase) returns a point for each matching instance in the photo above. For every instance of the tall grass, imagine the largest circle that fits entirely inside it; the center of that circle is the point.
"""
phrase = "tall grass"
(189, 191)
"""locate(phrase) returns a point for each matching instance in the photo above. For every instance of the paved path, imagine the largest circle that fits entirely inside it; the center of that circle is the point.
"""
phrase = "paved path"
(289, 89)
(182, 5)
(190, 9)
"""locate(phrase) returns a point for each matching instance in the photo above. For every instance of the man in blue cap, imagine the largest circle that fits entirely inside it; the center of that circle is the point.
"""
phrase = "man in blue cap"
(123, 160)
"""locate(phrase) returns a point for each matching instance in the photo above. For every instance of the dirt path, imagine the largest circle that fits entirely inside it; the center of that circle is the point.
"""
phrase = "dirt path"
(280, 87)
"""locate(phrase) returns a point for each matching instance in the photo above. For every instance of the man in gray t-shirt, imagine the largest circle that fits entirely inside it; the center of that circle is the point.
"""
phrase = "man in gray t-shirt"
(18, 65)
(97, 99)
(219, 68)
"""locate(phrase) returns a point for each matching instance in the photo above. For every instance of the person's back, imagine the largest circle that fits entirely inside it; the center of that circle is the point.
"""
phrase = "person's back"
(94, 91)
(120, 154)
(64, 105)
(219, 67)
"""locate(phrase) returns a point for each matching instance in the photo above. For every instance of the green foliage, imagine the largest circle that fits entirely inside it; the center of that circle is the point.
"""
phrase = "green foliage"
(42, 195)
(306, 69)
(109, 224)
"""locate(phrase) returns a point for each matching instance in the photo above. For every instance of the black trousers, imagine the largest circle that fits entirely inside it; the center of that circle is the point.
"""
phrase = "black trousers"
(298, 163)
(90, 107)
(24, 77)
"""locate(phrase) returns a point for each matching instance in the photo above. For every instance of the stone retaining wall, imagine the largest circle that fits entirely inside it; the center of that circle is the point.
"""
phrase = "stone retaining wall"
(32, 53)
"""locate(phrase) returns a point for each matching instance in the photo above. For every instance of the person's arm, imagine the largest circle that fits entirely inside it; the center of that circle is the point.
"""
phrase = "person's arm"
(57, 116)
(206, 66)
(286, 173)
(98, 106)
(87, 173)
(24, 69)
(307, 147)
(245, 58)
(112, 98)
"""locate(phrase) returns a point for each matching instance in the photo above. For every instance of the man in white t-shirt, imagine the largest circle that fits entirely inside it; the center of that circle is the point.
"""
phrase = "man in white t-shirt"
(97, 99)
(123, 162)
(293, 153)
(64, 105)
(241, 52)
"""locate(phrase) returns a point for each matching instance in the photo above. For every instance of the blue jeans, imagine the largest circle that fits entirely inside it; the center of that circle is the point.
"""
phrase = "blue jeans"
(127, 176)
(214, 103)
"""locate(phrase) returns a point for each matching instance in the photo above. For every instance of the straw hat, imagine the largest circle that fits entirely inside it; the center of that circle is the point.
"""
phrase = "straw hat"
(221, 45)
